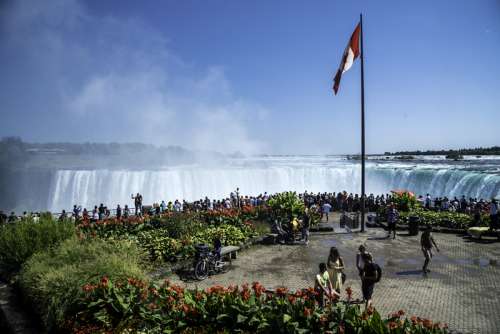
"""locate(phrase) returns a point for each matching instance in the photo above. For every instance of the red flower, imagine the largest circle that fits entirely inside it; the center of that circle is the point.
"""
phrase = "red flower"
(88, 288)
(401, 313)
(392, 325)
(348, 290)
(427, 323)
(413, 320)
(370, 310)
(291, 299)
(307, 312)
(258, 288)
(245, 295)
(281, 291)
(341, 329)
(104, 281)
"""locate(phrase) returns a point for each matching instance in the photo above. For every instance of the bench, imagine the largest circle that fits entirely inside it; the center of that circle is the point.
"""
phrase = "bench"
(271, 238)
(478, 232)
(229, 251)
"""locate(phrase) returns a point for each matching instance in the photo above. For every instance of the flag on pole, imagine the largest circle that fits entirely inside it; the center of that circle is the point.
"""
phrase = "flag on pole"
(351, 52)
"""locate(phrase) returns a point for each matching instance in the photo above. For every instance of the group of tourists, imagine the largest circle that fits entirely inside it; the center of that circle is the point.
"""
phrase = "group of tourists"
(331, 276)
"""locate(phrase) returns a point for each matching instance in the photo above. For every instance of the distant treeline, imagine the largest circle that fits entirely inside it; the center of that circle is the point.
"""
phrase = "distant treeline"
(14, 152)
(494, 150)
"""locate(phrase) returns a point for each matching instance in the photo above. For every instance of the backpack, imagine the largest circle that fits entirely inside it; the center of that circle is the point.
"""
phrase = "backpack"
(379, 272)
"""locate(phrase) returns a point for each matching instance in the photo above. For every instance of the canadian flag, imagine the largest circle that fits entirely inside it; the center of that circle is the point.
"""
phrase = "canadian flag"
(350, 54)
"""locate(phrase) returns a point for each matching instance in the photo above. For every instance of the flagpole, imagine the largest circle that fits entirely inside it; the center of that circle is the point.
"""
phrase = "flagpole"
(362, 128)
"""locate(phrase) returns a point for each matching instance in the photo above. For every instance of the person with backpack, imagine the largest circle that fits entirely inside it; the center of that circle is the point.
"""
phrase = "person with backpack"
(370, 275)
(360, 262)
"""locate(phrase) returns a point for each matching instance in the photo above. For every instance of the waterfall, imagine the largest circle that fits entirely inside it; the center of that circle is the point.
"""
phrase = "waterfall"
(92, 187)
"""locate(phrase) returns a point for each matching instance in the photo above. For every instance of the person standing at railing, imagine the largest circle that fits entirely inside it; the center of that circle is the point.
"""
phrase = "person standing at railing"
(76, 211)
(101, 211)
(63, 216)
(118, 212)
(85, 214)
(126, 211)
(137, 203)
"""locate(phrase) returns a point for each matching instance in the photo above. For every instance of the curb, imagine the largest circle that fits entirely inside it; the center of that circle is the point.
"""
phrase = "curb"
(12, 318)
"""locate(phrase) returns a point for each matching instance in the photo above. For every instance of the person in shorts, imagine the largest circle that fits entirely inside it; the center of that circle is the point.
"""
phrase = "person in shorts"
(426, 242)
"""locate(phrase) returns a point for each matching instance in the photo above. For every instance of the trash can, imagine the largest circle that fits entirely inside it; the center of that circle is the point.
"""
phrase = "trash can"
(413, 224)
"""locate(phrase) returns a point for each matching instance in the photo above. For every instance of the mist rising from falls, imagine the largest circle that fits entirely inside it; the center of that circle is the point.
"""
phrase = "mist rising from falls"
(92, 187)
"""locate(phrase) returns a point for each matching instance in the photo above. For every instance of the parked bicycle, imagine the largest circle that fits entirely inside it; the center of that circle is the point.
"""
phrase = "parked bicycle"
(207, 263)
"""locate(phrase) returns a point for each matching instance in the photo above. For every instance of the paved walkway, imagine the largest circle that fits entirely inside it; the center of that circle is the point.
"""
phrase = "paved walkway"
(462, 289)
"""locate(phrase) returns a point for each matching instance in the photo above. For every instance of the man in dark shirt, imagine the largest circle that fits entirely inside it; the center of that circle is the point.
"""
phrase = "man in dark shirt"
(426, 242)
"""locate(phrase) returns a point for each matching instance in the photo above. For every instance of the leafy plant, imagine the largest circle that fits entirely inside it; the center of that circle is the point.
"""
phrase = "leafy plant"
(404, 201)
(24, 238)
(286, 205)
(136, 306)
(51, 280)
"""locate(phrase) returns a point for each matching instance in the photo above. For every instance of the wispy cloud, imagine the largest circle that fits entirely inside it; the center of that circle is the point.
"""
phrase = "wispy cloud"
(121, 81)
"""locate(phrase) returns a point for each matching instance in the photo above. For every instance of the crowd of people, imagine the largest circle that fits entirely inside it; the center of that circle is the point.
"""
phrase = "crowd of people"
(325, 203)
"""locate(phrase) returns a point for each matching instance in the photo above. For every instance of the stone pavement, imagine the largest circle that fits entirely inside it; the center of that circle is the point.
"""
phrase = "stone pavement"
(461, 290)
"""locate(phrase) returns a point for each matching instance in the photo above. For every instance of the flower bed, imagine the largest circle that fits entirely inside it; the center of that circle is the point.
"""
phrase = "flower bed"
(136, 306)
(171, 236)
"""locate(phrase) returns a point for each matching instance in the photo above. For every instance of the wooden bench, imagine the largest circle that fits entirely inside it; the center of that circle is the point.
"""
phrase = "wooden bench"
(229, 251)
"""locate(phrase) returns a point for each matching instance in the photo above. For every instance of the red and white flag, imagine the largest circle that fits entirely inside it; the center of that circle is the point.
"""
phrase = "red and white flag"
(351, 52)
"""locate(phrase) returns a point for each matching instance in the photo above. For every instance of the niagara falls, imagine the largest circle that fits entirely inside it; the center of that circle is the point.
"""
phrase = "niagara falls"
(476, 178)
(209, 167)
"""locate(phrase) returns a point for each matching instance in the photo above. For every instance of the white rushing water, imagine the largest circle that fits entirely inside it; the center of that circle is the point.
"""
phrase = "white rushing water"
(272, 174)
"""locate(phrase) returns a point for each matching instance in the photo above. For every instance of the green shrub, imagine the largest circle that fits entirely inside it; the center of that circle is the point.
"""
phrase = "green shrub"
(440, 218)
(22, 239)
(52, 280)
(286, 205)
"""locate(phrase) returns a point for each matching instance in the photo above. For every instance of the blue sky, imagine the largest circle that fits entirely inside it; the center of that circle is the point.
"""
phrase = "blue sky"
(253, 76)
